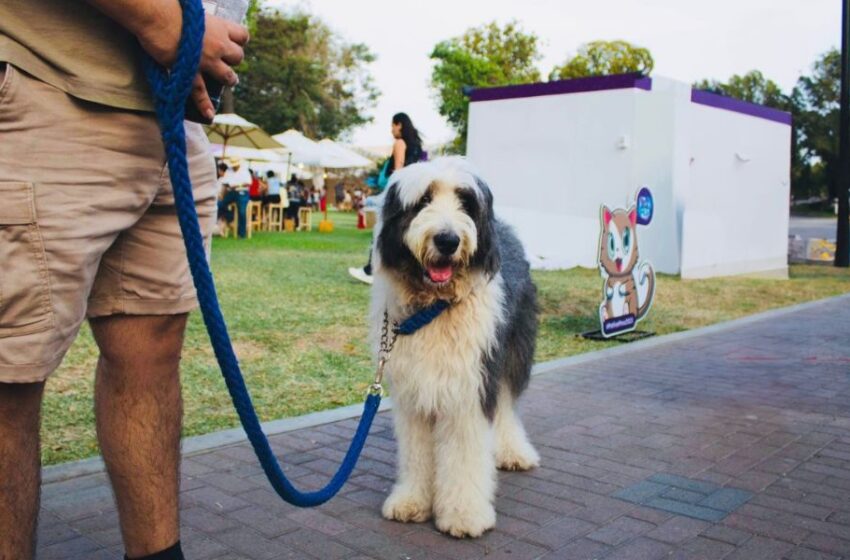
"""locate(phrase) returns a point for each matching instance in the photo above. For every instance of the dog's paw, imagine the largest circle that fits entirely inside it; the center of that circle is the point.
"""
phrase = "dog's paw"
(523, 458)
(467, 521)
(406, 507)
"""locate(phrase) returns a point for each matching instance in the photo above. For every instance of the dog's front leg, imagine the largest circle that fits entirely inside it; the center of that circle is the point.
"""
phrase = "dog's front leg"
(412, 495)
(465, 484)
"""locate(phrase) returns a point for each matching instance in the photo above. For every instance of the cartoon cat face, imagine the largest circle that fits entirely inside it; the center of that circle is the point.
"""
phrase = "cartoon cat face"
(618, 250)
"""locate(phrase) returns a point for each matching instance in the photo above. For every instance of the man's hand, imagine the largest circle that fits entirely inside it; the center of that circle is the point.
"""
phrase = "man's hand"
(223, 48)
(157, 25)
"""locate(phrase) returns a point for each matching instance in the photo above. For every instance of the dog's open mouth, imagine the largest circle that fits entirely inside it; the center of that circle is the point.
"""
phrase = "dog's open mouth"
(439, 274)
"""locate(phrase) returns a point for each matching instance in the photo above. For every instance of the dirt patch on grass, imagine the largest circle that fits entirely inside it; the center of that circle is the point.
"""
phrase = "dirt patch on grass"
(248, 350)
(338, 340)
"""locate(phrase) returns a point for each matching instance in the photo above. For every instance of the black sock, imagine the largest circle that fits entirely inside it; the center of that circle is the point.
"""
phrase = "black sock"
(170, 553)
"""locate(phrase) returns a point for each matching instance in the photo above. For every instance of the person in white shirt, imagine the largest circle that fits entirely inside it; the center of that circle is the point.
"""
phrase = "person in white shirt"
(236, 181)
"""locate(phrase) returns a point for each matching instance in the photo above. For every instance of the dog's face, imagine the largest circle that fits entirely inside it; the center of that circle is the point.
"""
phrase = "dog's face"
(437, 227)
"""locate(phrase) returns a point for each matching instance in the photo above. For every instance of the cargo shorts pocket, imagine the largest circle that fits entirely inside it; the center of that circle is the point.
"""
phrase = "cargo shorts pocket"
(25, 305)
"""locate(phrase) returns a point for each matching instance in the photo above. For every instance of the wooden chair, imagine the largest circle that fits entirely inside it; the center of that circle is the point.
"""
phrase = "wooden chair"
(273, 217)
(305, 219)
(232, 227)
(254, 216)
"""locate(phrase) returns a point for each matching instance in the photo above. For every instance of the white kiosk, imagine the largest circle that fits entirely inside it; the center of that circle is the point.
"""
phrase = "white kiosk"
(719, 170)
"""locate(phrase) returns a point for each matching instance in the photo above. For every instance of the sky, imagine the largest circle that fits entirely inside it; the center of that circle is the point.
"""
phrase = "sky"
(689, 40)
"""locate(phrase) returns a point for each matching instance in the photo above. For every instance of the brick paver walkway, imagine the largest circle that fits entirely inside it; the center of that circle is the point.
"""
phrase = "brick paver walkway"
(756, 414)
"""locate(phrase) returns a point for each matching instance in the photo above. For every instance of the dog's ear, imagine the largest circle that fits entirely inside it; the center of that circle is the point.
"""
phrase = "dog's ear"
(394, 221)
(392, 203)
(487, 255)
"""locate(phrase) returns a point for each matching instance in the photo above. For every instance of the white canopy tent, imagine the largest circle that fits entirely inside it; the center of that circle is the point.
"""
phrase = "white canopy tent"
(337, 156)
(251, 154)
(325, 153)
(304, 151)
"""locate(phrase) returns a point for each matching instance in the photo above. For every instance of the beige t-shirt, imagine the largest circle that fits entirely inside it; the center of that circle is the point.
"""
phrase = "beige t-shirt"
(70, 45)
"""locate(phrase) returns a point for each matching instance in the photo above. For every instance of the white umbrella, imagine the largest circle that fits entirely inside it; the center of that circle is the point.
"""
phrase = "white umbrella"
(337, 156)
(229, 129)
(304, 151)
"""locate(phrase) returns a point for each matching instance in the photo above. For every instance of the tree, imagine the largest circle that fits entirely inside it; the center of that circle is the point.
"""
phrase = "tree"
(752, 87)
(816, 103)
(298, 74)
(484, 56)
(251, 14)
(602, 58)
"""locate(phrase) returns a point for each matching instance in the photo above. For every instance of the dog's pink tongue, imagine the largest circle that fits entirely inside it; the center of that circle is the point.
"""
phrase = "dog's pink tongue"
(440, 274)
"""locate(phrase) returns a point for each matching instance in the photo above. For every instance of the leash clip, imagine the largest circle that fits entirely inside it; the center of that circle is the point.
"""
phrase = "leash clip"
(377, 388)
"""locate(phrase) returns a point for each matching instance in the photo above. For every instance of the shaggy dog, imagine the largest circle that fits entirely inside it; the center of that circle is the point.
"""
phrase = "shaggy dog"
(454, 383)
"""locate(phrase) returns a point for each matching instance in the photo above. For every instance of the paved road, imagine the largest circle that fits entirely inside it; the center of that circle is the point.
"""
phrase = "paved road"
(807, 228)
(733, 444)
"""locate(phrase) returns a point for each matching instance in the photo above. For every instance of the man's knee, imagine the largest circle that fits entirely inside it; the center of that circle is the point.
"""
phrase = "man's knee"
(130, 340)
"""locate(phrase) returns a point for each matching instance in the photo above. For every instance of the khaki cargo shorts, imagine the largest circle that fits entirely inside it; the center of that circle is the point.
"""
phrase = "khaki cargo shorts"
(88, 226)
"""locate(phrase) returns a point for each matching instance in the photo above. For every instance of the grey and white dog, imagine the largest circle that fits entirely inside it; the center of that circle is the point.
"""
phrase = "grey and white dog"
(455, 382)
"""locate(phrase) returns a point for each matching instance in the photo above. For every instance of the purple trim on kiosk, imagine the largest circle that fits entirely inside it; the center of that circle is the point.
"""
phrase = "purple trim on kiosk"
(577, 85)
(731, 104)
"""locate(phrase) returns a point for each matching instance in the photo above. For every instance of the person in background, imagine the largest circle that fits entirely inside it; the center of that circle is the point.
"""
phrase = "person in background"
(407, 149)
(221, 169)
(339, 194)
(255, 190)
(272, 195)
(314, 198)
(295, 201)
(236, 183)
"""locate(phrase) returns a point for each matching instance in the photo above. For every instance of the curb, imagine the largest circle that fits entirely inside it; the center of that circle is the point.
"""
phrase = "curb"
(199, 444)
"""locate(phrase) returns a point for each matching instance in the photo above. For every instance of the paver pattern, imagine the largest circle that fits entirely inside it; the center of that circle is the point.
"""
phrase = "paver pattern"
(685, 496)
(762, 410)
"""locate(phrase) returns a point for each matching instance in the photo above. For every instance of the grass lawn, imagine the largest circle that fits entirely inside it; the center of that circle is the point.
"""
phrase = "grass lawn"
(298, 323)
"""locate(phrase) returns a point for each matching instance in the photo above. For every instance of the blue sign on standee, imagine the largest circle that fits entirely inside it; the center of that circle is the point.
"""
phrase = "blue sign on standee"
(645, 206)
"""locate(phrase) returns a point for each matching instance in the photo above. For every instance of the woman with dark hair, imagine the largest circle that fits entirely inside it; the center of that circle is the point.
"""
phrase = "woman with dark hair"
(407, 149)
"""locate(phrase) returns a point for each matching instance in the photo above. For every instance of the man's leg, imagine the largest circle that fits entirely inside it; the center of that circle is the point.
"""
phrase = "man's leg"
(139, 411)
(20, 468)
(242, 205)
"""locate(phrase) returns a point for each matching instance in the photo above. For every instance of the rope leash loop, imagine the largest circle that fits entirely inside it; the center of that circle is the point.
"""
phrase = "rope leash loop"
(170, 91)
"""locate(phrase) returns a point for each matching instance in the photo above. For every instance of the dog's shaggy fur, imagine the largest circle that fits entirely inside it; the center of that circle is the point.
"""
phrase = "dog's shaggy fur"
(454, 383)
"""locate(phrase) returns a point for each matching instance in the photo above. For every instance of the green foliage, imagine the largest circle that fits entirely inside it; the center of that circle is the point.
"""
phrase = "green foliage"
(602, 58)
(485, 56)
(753, 87)
(816, 116)
(251, 15)
(298, 74)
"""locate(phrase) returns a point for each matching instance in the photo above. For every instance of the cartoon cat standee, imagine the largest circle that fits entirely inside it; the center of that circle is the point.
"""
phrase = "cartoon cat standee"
(629, 285)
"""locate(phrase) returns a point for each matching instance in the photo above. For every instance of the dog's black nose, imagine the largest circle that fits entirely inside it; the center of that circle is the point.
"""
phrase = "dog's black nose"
(446, 242)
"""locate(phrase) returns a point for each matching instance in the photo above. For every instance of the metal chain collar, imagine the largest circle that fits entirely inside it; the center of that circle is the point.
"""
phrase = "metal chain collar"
(388, 338)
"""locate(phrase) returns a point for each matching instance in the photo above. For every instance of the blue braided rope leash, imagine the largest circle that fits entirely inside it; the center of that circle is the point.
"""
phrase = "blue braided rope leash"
(170, 91)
